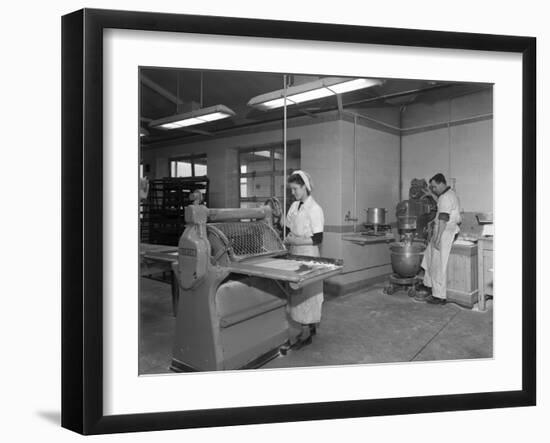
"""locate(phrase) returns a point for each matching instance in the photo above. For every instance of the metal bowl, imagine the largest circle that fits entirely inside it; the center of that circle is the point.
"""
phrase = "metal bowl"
(406, 258)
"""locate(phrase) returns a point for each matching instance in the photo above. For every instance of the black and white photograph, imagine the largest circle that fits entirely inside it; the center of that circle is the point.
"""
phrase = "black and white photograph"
(292, 220)
(266, 221)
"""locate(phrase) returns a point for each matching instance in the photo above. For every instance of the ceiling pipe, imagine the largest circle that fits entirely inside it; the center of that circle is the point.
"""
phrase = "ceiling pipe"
(366, 117)
(159, 90)
(398, 94)
(303, 111)
(451, 122)
(352, 218)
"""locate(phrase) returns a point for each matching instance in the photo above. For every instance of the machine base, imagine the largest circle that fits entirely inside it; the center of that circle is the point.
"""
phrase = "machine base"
(178, 366)
(409, 284)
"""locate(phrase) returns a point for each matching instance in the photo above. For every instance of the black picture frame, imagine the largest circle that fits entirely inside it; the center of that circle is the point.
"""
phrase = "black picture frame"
(82, 190)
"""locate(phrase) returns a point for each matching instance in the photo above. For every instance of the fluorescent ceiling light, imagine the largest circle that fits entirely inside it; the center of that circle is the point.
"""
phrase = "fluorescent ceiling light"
(310, 95)
(214, 116)
(277, 103)
(182, 122)
(352, 85)
(197, 117)
(310, 91)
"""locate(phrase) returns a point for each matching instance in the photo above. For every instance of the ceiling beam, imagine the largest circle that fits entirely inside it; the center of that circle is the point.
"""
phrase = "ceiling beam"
(197, 131)
(303, 111)
(159, 89)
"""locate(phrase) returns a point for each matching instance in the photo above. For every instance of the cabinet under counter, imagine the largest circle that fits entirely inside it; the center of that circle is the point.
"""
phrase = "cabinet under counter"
(485, 269)
(462, 274)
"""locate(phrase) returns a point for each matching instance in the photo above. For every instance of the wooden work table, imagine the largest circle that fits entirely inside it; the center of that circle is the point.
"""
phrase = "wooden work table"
(462, 271)
(156, 258)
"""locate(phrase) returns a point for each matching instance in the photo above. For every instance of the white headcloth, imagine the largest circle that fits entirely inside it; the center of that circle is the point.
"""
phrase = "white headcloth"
(305, 178)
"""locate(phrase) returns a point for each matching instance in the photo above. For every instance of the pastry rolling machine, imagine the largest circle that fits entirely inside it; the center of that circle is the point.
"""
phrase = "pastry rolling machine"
(235, 276)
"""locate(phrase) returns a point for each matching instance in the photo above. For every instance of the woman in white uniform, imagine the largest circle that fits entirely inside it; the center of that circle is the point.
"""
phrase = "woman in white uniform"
(305, 223)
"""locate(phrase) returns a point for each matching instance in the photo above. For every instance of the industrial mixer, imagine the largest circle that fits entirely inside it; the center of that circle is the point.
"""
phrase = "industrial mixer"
(235, 277)
(413, 225)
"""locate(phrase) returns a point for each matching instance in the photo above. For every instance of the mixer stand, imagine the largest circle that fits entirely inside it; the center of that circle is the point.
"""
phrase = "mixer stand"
(396, 283)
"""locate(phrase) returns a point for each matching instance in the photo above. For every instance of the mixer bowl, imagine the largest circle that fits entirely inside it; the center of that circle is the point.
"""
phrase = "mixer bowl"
(406, 258)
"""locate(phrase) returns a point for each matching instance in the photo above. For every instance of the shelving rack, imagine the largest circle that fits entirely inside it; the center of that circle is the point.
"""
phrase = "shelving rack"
(162, 214)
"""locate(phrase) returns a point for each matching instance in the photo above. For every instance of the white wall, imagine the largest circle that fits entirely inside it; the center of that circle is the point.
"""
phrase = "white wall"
(378, 171)
(30, 330)
(319, 143)
(376, 160)
(327, 153)
(461, 151)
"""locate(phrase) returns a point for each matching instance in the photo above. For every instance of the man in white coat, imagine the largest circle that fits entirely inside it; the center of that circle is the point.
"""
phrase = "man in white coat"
(446, 227)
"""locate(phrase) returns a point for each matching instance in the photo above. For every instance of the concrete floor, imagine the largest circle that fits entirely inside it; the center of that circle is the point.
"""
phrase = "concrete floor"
(363, 327)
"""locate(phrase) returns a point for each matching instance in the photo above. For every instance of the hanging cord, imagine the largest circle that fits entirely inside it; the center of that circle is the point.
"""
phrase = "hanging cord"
(449, 142)
(284, 156)
(178, 101)
(201, 91)
(355, 218)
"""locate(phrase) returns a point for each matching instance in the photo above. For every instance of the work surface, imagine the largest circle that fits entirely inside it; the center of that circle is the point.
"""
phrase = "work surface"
(363, 327)
(156, 258)
(362, 239)
(295, 269)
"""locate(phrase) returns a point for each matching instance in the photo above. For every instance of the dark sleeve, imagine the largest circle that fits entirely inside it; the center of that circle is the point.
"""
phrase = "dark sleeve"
(317, 238)
(444, 216)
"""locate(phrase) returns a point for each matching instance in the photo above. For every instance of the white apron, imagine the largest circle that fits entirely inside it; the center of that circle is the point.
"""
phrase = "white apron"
(435, 264)
(434, 261)
(305, 304)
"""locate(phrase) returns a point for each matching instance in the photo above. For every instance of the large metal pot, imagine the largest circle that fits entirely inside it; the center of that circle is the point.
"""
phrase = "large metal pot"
(406, 258)
(376, 216)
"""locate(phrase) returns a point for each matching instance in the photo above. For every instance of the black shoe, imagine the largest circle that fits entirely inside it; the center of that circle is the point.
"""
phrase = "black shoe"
(284, 348)
(421, 297)
(424, 288)
(435, 301)
(301, 343)
(312, 329)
